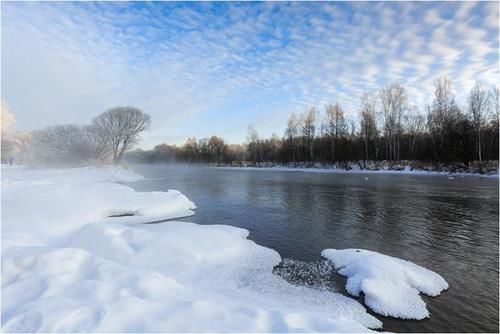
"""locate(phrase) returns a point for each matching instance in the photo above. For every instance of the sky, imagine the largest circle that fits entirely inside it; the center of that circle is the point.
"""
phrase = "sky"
(203, 68)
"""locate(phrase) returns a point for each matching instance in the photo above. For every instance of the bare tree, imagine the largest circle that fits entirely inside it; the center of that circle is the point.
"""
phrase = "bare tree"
(368, 123)
(335, 123)
(204, 149)
(253, 143)
(275, 143)
(442, 115)
(393, 100)
(14, 146)
(236, 152)
(415, 126)
(494, 96)
(191, 149)
(7, 119)
(448, 132)
(63, 144)
(122, 127)
(309, 130)
(98, 143)
(12, 141)
(291, 132)
(217, 147)
(478, 108)
(494, 99)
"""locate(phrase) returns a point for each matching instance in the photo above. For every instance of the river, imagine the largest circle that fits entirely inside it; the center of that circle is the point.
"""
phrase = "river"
(447, 225)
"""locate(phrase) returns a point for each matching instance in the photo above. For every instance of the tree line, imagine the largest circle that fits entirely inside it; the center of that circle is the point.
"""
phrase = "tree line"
(388, 129)
(105, 140)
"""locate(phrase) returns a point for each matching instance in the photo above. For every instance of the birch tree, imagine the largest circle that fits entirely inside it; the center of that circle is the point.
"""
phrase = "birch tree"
(478, 109)
(253, 143)
(393, 101)
(368, 125)
(335, 124)
(291, 133)
(309, 130)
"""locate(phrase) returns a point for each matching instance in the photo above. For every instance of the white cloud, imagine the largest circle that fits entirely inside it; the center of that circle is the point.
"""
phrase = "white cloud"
(252, 63)
(432, 17)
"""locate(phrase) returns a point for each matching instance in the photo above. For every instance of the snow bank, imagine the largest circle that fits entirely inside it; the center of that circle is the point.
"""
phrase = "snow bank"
(69, 267)
(391, 286)
(42, 205)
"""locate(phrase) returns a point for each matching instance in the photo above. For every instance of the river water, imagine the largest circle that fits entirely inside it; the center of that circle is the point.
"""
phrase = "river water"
(446, 225)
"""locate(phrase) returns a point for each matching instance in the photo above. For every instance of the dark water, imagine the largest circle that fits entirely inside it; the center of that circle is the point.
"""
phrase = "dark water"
(448, 226)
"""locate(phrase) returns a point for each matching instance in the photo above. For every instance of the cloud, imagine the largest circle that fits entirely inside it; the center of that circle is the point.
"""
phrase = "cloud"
(193, 66)
(433, 17)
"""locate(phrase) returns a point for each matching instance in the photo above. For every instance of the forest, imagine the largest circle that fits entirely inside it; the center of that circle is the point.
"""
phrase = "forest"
(387, 129)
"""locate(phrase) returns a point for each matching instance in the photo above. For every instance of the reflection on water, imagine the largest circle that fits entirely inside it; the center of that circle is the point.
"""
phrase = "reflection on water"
(449, 226)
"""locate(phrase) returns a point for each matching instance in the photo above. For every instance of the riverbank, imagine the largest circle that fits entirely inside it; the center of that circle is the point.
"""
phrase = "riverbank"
(399, 170)
(76, 257)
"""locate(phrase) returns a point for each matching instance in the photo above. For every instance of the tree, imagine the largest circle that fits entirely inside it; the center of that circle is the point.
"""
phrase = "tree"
(64, 144)
(7, 119)
(13, 142)
(191, 150)
(204, 149)
(121, 126)
(494, 98)
(217, 147)
(393, 100)
(98, 143)
(14, 146)
(442, 114)
(494, 95)
(164, 153)
(291, 133)
(253, 144)
(236, 152)
(368, 124)
(478, 108)
(445, 134)
(309, 130)
(415, 125)
(274, 144)
(335, 124)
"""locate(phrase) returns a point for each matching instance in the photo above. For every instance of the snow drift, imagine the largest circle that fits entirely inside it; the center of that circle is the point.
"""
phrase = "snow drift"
(391, 286)
(75, 259)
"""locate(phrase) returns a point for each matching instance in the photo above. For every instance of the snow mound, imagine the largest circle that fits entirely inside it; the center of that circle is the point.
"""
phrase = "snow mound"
(390, 285)
(75, 258)
(39, 206)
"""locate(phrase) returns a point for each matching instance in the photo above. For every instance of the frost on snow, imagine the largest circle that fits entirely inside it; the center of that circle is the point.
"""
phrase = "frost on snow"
(390, 285)
(75, 258)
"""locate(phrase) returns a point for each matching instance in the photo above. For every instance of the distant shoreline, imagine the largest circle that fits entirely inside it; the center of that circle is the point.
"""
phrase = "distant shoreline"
(357, 170)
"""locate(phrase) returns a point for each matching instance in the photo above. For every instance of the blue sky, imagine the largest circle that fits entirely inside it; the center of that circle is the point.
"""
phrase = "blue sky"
(202, 68)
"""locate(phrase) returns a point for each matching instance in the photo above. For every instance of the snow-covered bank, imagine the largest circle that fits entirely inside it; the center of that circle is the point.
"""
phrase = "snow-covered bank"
(390, 285)
(75, 258)
(356, 170)
(40, 206)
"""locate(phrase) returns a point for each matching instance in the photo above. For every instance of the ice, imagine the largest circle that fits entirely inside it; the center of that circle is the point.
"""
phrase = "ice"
(67, 266)
(391, 286)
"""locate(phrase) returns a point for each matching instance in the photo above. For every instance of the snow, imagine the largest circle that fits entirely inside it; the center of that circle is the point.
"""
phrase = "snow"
(391, 286)
(356, 170)
(39, 206)
(67, 266)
